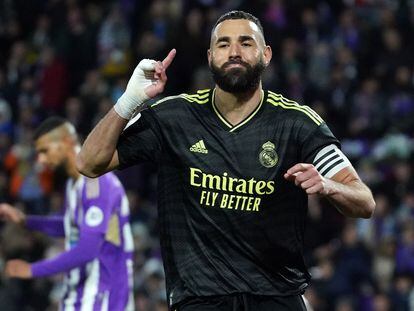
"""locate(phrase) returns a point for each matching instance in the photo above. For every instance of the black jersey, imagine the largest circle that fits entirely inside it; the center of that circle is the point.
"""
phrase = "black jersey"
(229, 221)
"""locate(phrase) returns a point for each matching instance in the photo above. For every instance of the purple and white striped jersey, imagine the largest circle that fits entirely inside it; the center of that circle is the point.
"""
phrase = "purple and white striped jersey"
(96, 218)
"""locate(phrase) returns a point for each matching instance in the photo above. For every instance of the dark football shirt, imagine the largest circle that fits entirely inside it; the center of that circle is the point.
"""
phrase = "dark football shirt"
(229, 221)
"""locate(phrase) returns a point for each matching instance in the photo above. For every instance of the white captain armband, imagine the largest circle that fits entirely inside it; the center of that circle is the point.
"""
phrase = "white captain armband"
(330, 160)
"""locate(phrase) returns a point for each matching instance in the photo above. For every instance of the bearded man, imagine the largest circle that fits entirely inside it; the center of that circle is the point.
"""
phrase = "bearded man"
(236, 165)
(97, 260)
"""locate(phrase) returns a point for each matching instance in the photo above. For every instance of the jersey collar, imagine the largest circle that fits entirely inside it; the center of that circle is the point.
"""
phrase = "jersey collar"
(226, 124)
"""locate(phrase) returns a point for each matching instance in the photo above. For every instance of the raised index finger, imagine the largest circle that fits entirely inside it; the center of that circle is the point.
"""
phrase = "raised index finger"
(168, 60)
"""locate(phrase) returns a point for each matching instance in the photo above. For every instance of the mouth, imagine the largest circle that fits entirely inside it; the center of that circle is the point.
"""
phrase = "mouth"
(234, 65)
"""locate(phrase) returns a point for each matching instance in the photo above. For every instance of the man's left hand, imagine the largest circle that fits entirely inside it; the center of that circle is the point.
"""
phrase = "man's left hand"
(307, 177)
(17, 268)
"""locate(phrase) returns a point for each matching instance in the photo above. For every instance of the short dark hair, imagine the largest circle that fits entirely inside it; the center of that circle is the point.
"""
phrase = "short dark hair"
(48, 125)
(239, 15)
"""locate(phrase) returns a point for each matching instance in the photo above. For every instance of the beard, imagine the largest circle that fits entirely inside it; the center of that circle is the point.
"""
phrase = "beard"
(237, 80)
(60, 176)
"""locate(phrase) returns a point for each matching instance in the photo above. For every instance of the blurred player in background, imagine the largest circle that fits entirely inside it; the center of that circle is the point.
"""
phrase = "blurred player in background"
(98, 240)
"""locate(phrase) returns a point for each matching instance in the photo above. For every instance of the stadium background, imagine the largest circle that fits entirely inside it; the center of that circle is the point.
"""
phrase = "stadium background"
(350, 60)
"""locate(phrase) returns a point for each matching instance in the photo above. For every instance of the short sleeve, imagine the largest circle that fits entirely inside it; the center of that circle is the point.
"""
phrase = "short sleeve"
(315, 140)
(140, 141)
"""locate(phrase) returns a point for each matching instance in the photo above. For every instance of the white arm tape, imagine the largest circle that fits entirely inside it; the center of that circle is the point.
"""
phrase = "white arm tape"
(134, 95)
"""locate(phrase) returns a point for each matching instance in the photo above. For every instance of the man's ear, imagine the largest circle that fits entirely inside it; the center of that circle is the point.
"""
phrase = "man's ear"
(209, 57)
(267, 55)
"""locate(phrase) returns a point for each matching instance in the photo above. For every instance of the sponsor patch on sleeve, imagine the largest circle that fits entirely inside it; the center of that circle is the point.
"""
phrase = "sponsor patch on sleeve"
(94, 216)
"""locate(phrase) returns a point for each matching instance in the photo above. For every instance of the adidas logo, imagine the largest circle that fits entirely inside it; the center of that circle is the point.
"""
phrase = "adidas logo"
(199, 147)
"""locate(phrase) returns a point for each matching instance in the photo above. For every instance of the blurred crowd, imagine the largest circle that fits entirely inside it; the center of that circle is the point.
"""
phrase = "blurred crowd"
(350, 60)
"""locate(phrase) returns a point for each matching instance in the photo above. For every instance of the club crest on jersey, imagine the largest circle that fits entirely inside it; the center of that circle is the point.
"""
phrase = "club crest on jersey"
(268, 156)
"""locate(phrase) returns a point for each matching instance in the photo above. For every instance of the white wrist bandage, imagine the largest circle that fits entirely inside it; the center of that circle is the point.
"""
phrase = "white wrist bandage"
(134, 95)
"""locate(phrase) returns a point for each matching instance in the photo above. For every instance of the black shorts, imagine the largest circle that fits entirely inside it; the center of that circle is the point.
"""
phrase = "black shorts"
(242, 302)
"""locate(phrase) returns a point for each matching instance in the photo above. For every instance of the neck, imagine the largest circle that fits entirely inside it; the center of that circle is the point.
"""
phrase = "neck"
(236, 107)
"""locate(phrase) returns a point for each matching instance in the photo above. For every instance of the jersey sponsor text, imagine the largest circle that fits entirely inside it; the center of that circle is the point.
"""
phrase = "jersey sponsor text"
(236, 186)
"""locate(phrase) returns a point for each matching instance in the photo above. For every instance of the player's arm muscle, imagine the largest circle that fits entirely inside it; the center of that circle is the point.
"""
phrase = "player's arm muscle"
(98, 154)
(350, 195)
(332, 176)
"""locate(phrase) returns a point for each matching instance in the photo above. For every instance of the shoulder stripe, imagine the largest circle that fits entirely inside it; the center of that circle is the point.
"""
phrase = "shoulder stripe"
(196, 98)
(201, 97)
(203, 91)
(205, 95)
(305, 107)
(165, 99)
(288, 102)
(200, 94)
(184, 96)
(133, 120)
(294, 107)
(292, 102)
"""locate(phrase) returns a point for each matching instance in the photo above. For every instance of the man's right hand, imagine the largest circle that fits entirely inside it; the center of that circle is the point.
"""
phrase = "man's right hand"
(147, 81)
(12, 214)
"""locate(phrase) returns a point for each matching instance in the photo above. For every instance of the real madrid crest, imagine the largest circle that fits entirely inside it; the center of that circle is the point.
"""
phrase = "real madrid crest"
(268, 156)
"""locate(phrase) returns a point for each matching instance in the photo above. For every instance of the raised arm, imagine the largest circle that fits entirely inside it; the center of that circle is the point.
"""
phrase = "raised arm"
(98, 154)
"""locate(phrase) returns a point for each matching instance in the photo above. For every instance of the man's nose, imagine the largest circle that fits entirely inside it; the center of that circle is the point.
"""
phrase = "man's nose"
(234, 50)
(41, 158)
